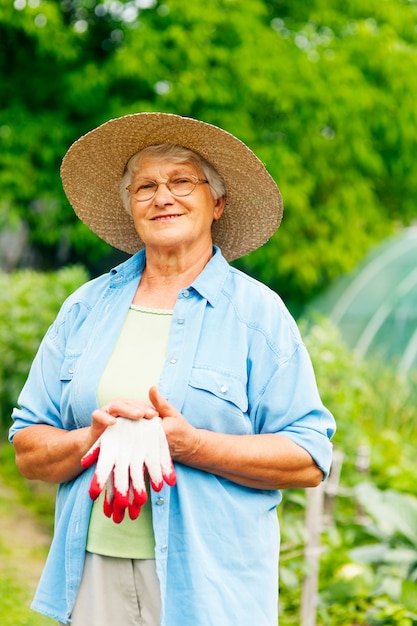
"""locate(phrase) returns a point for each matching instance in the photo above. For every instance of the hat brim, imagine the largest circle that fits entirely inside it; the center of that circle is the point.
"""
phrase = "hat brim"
(93, 166)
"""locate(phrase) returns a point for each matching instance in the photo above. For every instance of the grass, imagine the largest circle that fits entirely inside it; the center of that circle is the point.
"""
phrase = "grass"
(26, 519)
(14, 605)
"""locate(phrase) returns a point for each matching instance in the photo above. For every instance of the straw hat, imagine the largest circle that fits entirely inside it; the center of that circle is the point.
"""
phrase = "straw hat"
(93, 166)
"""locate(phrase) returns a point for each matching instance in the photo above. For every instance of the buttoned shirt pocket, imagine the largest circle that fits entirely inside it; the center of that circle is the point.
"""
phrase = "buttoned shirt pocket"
(217, 400)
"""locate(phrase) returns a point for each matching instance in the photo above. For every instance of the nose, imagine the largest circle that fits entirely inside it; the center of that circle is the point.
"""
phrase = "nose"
(163, 195)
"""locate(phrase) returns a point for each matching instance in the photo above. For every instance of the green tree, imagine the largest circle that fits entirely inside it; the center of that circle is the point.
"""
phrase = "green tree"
(323, 94)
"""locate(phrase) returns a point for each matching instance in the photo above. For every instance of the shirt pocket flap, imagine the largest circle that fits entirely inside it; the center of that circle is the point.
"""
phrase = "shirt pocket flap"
(223, 386)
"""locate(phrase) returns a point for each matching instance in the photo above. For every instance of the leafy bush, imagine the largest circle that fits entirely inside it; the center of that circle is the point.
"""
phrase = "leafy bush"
(375, 412)
(29, 301)
(362, 577)
(392, 531)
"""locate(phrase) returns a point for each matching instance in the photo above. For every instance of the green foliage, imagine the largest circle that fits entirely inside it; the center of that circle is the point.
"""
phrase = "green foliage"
(15, 590)
(14, 610)
(367, 569)
(395, 530)
(29, 301)
(324, 94)
(368, 573)
(37, 497)
(374, 407)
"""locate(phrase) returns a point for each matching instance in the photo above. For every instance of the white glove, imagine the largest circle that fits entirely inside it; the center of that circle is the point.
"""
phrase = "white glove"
(122, 453)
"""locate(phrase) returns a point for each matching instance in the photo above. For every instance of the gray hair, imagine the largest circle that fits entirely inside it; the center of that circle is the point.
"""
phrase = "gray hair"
(175, 154)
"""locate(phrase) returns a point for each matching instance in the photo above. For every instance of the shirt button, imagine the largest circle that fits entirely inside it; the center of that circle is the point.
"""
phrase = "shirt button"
(224, 388)
(164, 548)
(160, 501)
(173, 360)
(70, 371)
(180, 320)
(186, 293)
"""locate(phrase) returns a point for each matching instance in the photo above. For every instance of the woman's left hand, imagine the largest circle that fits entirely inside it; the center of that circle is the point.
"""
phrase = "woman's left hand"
(183, 439)
(262, 461)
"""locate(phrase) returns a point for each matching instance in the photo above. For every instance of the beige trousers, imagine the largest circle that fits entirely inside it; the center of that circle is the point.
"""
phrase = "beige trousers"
(115, 591)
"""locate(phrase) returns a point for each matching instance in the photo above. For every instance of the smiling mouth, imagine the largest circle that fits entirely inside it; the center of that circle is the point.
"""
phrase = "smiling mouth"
(164, 218)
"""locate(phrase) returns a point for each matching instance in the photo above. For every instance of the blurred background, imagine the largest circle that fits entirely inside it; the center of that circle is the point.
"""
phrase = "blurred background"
(325, 93)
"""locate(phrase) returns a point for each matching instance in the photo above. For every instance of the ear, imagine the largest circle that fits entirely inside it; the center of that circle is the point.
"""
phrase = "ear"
(219, 208)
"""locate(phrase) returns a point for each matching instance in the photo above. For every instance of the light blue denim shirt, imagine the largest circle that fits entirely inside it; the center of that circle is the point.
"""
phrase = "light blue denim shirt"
(236, 364)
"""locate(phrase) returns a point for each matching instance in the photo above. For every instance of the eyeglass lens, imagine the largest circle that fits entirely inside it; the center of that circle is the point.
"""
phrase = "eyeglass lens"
(178, 186)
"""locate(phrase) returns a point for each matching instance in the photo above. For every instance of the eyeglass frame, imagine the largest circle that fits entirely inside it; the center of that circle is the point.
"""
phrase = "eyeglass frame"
(167, 184)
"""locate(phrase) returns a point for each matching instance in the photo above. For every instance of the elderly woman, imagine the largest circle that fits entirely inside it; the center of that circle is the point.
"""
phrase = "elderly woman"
(177, 342)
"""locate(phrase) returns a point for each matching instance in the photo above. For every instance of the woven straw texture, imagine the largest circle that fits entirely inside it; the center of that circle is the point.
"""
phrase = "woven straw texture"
(93, 166)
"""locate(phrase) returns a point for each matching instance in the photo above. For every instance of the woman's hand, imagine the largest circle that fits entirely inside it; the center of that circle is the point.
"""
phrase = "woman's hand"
(261, 461)
(183, 439)
(106, 415)
(54, 454)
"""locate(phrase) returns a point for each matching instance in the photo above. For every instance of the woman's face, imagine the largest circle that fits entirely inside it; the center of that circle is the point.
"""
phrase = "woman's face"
(172, 222)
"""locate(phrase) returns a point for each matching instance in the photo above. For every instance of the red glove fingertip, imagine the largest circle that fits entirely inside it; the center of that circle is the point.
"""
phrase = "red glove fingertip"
(121, 500)
(108, 507)
(118, 514)
(91, 457)
(156, 486)
(95, 488)
(171, 478)
(140, 497)
(134, 510)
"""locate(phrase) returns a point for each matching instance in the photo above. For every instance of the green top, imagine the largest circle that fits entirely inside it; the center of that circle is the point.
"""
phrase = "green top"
(129, 373)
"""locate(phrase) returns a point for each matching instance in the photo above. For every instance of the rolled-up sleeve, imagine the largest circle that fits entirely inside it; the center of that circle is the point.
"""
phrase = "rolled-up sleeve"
(39, 400)
(291, 405)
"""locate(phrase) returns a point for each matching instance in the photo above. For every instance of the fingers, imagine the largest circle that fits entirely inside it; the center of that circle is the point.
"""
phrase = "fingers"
(107, 415)
(161, 404)
(123, 454)
(131, 408)
(100, 420)
(157, 458)
(167, 466)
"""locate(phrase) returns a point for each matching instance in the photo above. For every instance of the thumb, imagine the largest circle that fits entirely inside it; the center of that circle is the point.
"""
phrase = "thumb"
(161, 404)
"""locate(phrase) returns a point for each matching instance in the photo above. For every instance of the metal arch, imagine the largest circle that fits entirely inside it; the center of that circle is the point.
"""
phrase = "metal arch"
(381, 314)
(410, 355)
(398, 249)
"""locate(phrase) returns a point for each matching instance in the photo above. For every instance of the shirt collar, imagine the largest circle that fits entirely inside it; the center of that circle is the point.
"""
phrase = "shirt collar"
(129, 269)
(208, 283)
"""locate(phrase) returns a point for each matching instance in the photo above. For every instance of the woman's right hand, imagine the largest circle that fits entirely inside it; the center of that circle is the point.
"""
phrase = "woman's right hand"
(106, 415)
(54, 455)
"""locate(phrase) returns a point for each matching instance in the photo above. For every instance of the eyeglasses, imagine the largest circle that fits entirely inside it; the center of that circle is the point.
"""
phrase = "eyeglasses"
(180, 186)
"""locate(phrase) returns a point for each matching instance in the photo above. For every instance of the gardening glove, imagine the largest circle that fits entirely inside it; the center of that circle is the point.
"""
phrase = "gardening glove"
(123, 452)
